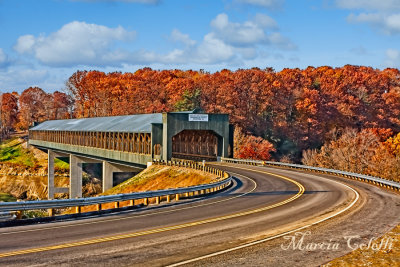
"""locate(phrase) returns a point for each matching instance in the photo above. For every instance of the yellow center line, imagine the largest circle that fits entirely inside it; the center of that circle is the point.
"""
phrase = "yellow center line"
(136, 215)
(168, 228)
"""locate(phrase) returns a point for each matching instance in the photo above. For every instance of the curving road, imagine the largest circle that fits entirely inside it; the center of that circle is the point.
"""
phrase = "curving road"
(243, 225)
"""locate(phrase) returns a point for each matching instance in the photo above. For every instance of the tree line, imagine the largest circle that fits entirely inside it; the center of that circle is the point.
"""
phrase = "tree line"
(19, 112)
(278, 113)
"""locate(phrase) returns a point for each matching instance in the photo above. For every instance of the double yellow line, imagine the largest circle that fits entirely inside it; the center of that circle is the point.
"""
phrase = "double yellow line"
(168, 228)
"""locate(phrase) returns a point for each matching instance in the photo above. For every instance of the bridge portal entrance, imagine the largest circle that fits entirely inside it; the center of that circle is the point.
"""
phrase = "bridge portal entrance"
(197, 145)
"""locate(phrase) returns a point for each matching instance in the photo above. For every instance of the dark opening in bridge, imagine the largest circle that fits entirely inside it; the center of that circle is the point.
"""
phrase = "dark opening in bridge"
(197, 145)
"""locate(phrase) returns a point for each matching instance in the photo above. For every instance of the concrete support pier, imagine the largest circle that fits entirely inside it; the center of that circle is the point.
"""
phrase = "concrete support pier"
(108, 173)
(50, 174)
(75, 173)
(51, 187)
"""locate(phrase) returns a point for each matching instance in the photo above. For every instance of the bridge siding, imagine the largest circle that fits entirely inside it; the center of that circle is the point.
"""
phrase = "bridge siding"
(135, 158)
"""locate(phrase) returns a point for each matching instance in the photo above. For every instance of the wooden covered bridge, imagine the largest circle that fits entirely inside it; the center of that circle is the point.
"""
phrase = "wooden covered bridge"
(123, 143)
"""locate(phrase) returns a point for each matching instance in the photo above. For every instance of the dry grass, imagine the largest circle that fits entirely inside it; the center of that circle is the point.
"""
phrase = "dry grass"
(29, 187)
(370, 257)
(156, 178)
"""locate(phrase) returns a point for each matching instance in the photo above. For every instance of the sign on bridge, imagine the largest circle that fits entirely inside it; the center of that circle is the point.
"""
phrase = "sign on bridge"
(198, 117)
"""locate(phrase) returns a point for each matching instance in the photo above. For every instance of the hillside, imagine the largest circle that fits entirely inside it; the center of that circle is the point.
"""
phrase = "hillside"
(162, 177)
(23, 172)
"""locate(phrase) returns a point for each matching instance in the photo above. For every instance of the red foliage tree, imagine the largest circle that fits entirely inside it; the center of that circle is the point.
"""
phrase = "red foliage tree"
(35, 106)
(9, 111)
(251, 147)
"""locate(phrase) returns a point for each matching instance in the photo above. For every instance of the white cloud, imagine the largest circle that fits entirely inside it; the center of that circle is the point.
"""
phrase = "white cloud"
(4, 60)
(392, 58)
(279, 40)
(383, 14)
(83, 44)
(20, 79)
(249, 33)
(389, 24)
(3, 57)
(365, 17)
(392, 22)
(265, 21)
(227, 43)
(369, 4)
(233, 42)
(76, 43)
(263, 3)
(25, 44)
(213, 50)
(177, 36)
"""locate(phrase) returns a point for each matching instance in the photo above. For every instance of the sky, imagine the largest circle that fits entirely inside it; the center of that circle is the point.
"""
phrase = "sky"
(43, 42)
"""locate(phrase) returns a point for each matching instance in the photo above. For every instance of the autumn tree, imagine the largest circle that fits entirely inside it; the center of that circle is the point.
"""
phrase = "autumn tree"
(60, 106)
(34, 106)
(359, 152)
(251, 147)
(293, 109)
(9, 111)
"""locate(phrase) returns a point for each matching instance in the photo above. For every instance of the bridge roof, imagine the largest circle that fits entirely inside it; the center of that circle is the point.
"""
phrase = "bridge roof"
(129, 123)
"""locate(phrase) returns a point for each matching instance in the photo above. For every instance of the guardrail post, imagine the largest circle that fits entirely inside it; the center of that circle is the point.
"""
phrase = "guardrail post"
(51, 212)
(98, 207)
(177, 197)
(19, 214)
(168, 198)
(132, 202)
(157, 200)
(78, 209)
(116, 205)
(146, 201)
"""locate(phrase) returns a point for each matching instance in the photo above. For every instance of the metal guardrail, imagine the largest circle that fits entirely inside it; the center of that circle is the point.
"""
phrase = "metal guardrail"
(362, 177)
(6, 215)
(79, 202)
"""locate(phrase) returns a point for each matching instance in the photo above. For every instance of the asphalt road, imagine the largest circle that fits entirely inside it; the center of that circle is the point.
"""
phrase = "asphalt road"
(262, 204)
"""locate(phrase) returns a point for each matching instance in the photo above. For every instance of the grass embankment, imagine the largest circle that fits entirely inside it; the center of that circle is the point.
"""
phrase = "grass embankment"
(11, 151)
(387, 255)
(7, 198)
(156, 178)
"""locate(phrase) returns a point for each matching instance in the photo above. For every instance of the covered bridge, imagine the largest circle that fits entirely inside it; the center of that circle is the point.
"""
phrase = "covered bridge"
(134, 140)
(137, 139)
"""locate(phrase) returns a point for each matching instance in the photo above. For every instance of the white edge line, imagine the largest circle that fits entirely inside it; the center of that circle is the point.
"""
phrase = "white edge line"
(269, 238)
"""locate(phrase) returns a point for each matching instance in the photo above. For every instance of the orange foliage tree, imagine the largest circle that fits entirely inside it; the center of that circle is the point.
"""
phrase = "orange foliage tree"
(251, 147)
(294, 109)
(9, 111)
(34, 106)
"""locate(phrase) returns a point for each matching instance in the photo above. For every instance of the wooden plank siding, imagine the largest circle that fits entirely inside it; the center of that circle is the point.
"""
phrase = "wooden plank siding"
(119, 141)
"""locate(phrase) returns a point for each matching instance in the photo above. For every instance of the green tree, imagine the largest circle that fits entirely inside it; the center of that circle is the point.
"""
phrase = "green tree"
(190, 100)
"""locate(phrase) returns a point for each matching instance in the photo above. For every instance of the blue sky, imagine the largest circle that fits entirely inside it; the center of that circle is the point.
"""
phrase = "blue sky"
(44, 42)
